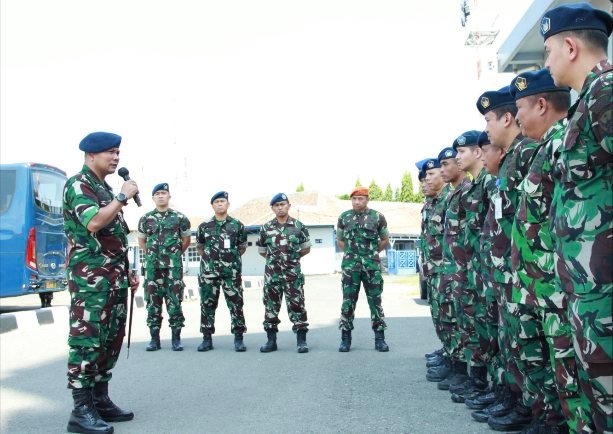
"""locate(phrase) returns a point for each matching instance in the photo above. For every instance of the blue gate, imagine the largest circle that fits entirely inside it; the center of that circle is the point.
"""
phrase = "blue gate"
(402, 261)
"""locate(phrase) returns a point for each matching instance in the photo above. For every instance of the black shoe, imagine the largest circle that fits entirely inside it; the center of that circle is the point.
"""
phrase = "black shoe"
(345, 341)
(176, 339)
(271, 344)
(84, 418)
(434, 361)
(438, 352)
(505, 406)
(108, 411)
(301, 341)
(442, 373)
(516, 420)
(459, 376)
(535, 427)
(485, 398)
(239, 346)
(380, 344)
(154, 344)
(207, 343)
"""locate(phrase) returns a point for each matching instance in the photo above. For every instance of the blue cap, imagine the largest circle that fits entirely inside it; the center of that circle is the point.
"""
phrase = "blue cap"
(467, 138)
(219, 195)
(576, 16)
(446, 154)
(279, 197)
(534, 82)
(492, 99)
(420, 164)
(483, 139)
(99, 142)
(162, 186)
(431, 163)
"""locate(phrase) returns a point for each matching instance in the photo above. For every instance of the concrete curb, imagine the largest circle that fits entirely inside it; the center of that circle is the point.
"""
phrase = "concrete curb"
(33, 318)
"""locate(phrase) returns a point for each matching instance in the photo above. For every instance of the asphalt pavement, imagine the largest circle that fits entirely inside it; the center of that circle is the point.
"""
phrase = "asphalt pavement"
(222, 391)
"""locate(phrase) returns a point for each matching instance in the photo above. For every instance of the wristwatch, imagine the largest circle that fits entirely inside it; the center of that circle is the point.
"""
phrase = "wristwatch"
(122, 198)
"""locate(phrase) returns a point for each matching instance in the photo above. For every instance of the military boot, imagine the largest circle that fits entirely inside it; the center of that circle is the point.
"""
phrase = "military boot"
(438, 352)
(154, 345)
(176, 339)
(345, 341)
(106, 408)
(476, 384)
(239, 346)
(502, 406)
(301, 341)
(380, 344)
(434, 361)
(207, 343)
(460, 375)
(517, 419)
(84, 418)
(271, 344)
(485, 398)
(440, 374)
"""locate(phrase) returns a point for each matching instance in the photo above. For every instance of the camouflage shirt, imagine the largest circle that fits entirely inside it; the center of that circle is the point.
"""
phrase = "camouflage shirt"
(454, 249)
(361, 233)
(582, 206)
(532, 247)
(221, 241)
(513, 169)
(163, 233)
(282, 244)
(424, 252)
(435, 231)
(95, 257)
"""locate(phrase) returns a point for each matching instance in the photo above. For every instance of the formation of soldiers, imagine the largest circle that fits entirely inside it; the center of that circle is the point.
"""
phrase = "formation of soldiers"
(517, 242)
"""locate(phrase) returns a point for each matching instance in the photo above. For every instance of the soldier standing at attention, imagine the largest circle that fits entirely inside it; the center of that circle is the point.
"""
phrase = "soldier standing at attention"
(98, 280)
(576, 40)
(361, 234)
(163, 235)
(283, 241)
(222, 240)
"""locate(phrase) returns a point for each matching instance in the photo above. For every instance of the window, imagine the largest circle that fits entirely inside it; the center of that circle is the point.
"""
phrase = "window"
(48, 189)
(192, 254)
(319, 241)
(7, 189)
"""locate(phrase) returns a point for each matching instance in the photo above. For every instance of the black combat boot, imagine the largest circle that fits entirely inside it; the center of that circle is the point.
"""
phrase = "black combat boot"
(106, 408)
(502, 406)
(301, 341)
(154, 345)
(176, 339)
(380, 344)
(207, 343)
(345, 341)
(441, 373)
(239, 346)
(517, 419)
(485, 398)
(271, 343)
(84, 417)
(476, 384)
(438, 352)
(434, 361)
(460, 375)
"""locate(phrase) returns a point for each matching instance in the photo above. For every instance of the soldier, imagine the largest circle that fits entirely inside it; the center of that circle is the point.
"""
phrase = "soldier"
(541, 109)
(98, 280)
(576, 40)
(222, 240)
(163, 235)
(283, 241)
(361, 234)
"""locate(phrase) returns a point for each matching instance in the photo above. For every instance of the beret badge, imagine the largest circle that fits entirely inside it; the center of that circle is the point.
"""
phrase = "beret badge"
(485, 102)
(521, 84)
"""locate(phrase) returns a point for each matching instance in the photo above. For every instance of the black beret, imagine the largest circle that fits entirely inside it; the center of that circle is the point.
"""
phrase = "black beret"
(467, 138)
(279, 197)
(576, 16)
(162, 186)
(431, 163)
(483, 139)
(492, 99)
(421, 175)
(534, 82)
(99, 142)
(446, 154)
(219, 195)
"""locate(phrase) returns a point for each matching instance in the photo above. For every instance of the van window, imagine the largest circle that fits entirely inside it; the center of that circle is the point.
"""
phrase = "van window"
(7, 189)
(48, 189)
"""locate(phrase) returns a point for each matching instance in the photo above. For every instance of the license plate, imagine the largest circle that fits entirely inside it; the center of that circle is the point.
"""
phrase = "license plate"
(50, 284)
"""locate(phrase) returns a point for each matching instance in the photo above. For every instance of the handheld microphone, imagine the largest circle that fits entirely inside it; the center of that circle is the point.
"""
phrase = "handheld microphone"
(125, 174)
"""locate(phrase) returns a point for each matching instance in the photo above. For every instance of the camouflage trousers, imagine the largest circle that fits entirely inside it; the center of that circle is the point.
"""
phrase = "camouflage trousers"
(466, 299)
(373, 287)
(209, 299)
(434, 301)
(592, 330)
(449, 319)
(164, 285)
(97, 329)
(487, 321)
(507, 339)
(294, 300)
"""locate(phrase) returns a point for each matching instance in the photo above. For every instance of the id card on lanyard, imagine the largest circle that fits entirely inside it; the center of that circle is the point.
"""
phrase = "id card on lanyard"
(226, 242)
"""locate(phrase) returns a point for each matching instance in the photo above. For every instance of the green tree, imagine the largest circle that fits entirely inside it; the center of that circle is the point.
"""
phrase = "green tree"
(397, 195)
(300, 188)
(406, 188)
(343, 196)
(374, 191)
(388, 196)
(357, 182)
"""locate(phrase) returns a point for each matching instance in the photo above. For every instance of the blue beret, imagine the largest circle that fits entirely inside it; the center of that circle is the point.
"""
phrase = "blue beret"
(219, 195)
(431, 163)
(420, 164)
(421, 175)
(492, 99)
(534, 82)
(162, 186)
(577, 16)
(467, 138)
(279, 197)
(483, 139)
(100, 141)
(446, 154)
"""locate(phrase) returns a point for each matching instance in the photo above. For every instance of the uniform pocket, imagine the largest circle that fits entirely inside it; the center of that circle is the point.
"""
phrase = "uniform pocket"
(85, 327)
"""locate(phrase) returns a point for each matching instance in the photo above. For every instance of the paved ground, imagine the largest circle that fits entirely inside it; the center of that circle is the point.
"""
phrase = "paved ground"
(221, 391)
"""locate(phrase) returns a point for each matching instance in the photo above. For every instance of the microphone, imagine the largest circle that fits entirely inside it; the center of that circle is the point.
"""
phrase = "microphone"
(125, 174)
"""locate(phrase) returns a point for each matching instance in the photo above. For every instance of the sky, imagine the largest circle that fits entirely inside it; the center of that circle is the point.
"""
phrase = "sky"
(251, 97)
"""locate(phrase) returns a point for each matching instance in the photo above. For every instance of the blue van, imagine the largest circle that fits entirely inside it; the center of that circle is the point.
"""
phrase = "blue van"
(33, 246)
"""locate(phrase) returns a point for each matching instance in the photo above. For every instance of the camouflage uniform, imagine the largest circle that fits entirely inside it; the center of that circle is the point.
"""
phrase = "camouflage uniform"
(97, 280)
(282, 244)
(454, 301)
(220, 266)
(582, 220)
(361, 233)
(535, 285)
(424, 253)
(163, 233)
